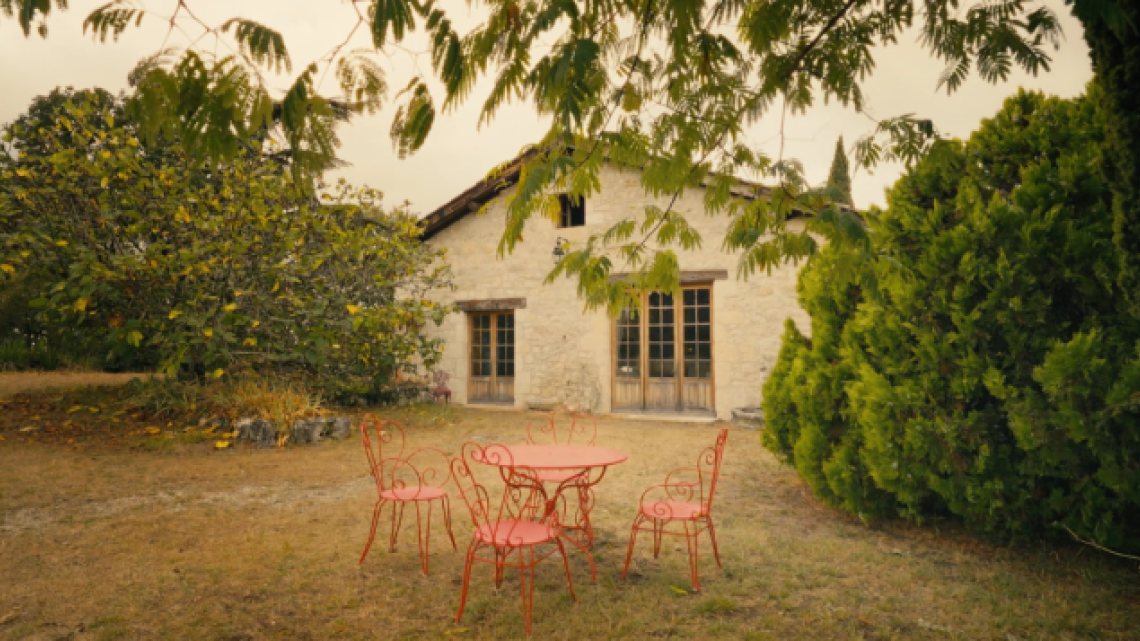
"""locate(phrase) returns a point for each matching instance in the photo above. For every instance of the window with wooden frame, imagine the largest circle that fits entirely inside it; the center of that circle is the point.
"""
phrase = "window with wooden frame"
(492, 357)
(663, 352)
(572, 211)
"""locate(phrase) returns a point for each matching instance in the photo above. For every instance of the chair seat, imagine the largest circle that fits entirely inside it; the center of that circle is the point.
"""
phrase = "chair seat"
(515, 532)
(413, 493)
(675, 510)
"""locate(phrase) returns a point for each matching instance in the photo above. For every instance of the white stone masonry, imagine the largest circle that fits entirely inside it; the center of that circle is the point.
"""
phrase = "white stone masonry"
(562, 353)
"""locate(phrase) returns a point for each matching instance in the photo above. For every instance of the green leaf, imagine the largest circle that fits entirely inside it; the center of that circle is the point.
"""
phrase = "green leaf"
(263, 45)
(391, 16)
(111, 19)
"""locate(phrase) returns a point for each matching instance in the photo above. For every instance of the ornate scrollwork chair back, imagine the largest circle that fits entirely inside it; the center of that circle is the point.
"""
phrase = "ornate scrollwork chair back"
(381, 436)
(543, 428)
(685, 498)
(502, 530)
(402, 478)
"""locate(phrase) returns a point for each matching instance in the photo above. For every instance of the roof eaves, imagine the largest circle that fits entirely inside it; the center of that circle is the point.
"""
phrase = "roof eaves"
(488, 188)
(475, 197)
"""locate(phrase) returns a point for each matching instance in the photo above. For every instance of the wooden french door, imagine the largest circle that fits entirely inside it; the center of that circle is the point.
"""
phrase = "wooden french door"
(492, 373)
(663, 353)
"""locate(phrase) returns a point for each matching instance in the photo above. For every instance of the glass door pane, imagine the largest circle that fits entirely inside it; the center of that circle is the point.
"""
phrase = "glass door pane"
(698, 333)
(505, 345)
(661, 353)
(662, 334)
(503, 383)
(696, 362)
(479, 383)
(629, 344)
(481, 345)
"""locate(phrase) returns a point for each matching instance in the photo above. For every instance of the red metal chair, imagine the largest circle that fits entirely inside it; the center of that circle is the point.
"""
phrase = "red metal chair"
(688, 502)
(441, 390)
(505, 530)
(544, 428)
(401, 479)
(583, 430)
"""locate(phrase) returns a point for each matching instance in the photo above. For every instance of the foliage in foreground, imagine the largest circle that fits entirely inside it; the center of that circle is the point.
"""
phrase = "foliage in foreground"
(672, 86)
(208, 268)
(978, 360)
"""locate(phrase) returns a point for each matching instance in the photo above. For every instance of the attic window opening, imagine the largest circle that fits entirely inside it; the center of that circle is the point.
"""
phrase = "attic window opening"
(573, 214)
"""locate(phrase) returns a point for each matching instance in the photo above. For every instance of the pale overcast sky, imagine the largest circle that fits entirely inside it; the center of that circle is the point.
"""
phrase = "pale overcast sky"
(458, 154)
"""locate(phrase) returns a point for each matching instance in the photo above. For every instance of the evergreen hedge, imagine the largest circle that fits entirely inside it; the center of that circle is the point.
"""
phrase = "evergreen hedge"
(977, 358)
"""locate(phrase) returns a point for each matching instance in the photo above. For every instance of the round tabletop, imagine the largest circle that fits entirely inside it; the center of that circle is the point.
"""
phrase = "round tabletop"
(556, 457)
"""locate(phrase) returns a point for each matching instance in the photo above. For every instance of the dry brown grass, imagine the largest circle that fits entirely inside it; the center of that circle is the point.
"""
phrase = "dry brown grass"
(191, 544)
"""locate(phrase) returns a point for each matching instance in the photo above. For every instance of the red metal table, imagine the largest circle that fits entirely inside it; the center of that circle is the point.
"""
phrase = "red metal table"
(562, 457)
(583, 467)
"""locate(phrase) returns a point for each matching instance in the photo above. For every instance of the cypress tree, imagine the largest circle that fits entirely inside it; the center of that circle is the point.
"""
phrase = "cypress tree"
(976, 361)
(839, 179)
(1115, 49)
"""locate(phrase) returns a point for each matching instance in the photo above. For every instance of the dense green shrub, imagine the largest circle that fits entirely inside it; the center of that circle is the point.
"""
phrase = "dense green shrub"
(977, 359)
(208, 268)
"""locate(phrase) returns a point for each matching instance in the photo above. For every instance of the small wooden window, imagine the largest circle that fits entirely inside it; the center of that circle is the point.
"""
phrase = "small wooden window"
(573, 212)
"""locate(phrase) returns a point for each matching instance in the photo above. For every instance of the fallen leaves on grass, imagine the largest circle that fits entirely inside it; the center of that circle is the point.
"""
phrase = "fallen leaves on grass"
(31, 417)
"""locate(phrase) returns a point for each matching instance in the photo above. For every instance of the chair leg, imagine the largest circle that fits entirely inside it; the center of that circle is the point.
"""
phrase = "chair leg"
(447, 521)
(658, 534)
(566, 564)
(694, 554)
(632, 540)
(527, 585)
(712, 537)
(397, 521)
(423, 537)
(589, 557)
(500, 559)
(468, 562)
(372, 532)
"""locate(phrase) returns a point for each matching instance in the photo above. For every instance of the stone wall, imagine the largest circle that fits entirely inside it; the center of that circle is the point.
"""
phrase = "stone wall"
(564, 354)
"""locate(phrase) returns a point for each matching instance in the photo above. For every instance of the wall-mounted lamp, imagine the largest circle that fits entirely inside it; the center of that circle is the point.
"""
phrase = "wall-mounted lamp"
(558, 252)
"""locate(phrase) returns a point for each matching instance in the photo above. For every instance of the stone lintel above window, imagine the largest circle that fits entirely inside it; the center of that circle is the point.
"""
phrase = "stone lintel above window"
(687, 277)
(490, 304)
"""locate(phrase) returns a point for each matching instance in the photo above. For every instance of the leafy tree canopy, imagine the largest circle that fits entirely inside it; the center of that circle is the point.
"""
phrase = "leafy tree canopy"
(206, 269)
(669, 86)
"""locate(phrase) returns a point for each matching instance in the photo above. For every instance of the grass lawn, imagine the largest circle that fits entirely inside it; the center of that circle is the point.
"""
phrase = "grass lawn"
(180, 541)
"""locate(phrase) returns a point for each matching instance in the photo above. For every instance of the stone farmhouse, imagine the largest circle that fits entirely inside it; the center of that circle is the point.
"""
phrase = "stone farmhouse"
(519, 342)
